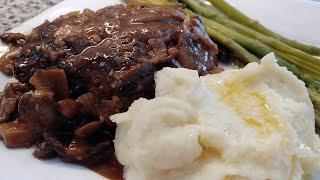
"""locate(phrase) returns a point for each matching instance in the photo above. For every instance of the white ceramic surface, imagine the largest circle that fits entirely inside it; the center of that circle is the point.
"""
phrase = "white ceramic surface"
(296, 19)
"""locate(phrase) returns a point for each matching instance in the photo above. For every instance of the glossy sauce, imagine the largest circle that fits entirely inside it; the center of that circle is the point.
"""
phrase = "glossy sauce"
(111, 169)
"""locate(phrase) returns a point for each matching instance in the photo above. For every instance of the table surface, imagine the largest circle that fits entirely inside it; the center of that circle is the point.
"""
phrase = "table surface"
(14, 12)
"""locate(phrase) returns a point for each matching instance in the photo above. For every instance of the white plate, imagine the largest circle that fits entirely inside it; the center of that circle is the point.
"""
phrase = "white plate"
(296, 19)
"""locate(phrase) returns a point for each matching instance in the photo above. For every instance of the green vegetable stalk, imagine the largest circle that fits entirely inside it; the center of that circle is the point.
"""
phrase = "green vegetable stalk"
(222, 38)
(239, 51)
(303, 60)
(241, 18)
(315, 98)
(241, 44)
(252, 45)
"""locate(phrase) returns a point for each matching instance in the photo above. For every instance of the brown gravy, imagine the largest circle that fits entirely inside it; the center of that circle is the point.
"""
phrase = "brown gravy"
(111, 169)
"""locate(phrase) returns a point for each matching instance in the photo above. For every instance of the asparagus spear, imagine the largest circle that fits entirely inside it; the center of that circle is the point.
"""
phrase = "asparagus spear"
(256, 47)
(219, 37)
(315, 98)
(231, 38)
(252, 45)
(313, 72)
(309, 82)
(241, 18)
(309, 61)
(240, 52)
(317, 118)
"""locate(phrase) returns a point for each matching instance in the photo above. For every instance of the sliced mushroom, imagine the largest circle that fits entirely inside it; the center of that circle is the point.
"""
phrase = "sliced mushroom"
(54, 80)
(88, 102)
(77, 150)
(18, 133)
(15, 90)
(88, 129)
(68, 108)
(40, 108)
(7, 107)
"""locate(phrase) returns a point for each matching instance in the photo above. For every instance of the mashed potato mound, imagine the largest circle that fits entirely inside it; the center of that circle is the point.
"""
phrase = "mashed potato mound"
(251, 123)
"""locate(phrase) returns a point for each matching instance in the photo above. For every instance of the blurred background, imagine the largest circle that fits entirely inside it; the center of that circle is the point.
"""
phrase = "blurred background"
(14, 12)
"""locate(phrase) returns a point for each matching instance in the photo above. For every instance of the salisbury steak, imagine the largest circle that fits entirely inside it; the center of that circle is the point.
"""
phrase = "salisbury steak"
(81, 68)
